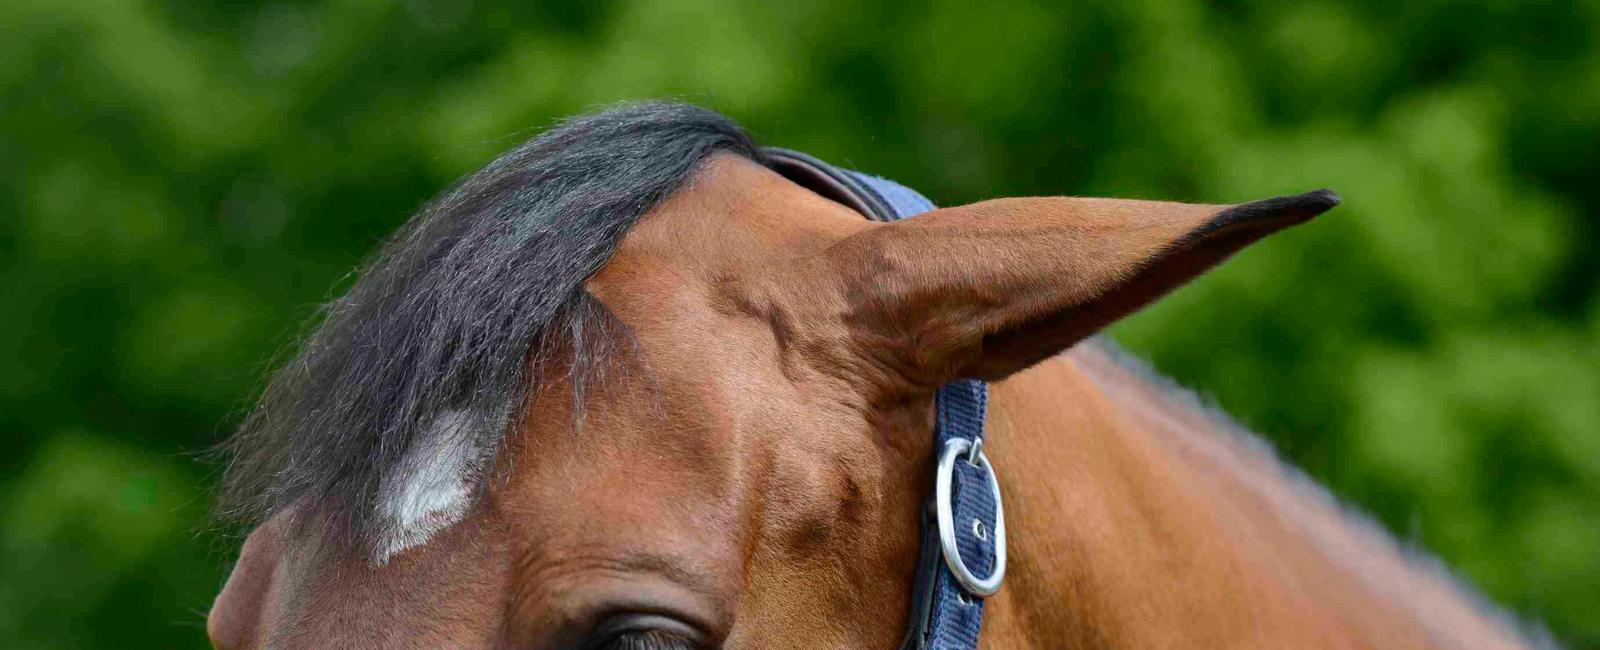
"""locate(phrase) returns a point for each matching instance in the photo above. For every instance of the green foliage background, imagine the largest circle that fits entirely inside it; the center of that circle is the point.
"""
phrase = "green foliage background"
(181, 184)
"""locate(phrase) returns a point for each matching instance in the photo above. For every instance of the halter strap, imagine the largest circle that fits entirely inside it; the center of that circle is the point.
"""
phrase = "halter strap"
(963, 537)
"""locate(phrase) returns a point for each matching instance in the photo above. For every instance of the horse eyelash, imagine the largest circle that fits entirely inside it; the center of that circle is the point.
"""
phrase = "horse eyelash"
(651, 640)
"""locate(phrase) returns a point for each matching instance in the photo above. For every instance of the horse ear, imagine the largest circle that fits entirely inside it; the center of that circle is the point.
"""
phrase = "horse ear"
(988, 289)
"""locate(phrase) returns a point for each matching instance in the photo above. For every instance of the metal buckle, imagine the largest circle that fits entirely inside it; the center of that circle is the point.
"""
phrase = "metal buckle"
(946, 518)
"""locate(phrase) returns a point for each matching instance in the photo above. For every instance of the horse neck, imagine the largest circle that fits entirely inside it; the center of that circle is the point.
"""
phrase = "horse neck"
(1139, 519)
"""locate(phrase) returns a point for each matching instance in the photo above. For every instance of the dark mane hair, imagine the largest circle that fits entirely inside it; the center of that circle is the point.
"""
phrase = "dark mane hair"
(454, 314)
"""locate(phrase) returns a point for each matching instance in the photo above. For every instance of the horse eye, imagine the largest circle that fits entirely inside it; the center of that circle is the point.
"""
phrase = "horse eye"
(649, 640)
(646, 632)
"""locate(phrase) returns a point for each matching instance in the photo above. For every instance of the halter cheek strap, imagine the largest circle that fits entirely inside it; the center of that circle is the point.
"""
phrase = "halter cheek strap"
(963, 558)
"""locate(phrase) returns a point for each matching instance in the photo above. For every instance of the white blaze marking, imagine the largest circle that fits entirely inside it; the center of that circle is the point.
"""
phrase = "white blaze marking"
(431, 489)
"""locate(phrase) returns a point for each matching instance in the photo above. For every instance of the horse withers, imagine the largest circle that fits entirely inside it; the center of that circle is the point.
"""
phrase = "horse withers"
(640, 384)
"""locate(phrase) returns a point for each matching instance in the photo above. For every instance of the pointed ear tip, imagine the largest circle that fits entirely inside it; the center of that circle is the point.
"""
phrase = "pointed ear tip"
(1274, 213)
(1292, 208)
(1319, 201)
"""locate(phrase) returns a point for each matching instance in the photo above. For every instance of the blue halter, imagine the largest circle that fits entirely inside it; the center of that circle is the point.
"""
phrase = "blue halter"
(963, 526)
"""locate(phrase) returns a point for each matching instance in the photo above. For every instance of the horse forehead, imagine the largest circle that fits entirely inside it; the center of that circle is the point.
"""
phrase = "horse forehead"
(735, 214)
(680, 276)
(734, 219)
(297, 586)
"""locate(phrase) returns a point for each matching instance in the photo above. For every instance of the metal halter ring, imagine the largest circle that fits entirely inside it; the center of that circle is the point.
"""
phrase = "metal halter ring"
(947, 529)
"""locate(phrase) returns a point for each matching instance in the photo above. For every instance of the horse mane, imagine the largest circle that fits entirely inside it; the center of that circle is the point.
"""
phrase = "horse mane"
(448, 328)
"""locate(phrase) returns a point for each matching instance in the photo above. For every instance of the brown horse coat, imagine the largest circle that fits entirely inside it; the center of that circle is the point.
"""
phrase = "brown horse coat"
(751, 478)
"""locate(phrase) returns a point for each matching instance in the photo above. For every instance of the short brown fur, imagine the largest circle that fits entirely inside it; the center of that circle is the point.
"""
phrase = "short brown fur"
(757, 475)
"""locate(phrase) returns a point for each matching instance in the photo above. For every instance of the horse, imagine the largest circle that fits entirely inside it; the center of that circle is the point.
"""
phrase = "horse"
(640, 383)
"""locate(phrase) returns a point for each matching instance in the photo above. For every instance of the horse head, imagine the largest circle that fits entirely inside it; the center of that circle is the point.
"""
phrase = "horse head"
(639, 383)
